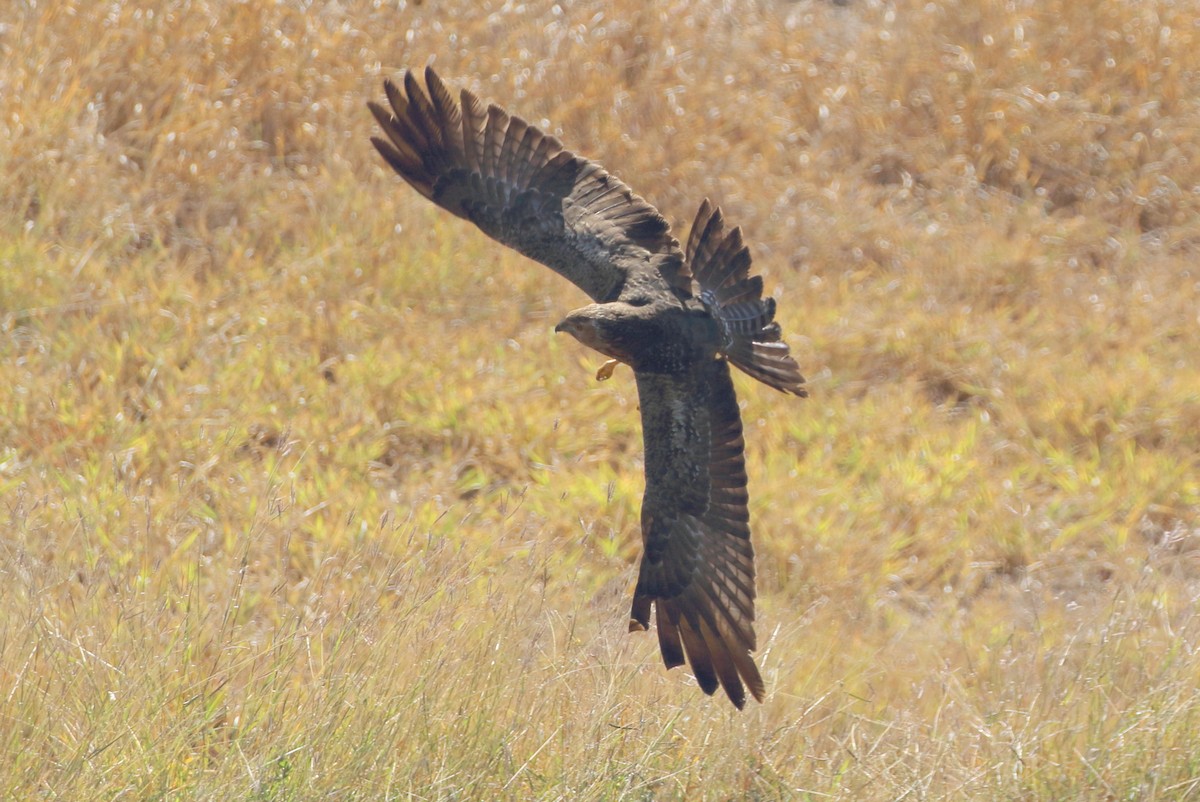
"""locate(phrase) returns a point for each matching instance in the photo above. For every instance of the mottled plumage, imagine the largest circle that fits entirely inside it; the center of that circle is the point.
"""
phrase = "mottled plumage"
(677, 318)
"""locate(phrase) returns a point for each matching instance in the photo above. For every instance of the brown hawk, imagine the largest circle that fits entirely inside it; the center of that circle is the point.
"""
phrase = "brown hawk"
(677, 317)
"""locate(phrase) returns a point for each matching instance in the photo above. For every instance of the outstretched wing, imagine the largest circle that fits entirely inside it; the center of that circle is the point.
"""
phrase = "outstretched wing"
(698, 565)
(524, 190)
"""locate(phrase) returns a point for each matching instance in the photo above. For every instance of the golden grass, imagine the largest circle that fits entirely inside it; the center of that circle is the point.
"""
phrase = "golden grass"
(303, 499)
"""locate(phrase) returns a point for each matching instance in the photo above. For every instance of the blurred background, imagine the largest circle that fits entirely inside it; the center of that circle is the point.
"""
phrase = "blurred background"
(303, 498)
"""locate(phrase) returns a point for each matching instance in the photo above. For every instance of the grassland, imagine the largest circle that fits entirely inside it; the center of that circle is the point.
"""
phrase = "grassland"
(302, 498)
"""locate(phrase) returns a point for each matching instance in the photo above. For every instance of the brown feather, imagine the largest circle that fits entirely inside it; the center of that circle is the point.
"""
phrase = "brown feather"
(448, 116)
(474, 122)
(698, 656)
(723, 664)
(669, 642)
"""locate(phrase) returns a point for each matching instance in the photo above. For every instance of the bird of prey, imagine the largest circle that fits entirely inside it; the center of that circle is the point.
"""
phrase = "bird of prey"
(677, 316)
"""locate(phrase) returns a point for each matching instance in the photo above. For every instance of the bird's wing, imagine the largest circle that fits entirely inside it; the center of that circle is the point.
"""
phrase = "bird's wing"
(698, 565)
(524, 190)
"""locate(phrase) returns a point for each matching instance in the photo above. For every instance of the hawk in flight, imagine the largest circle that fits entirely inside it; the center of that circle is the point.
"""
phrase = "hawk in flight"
(678, 317)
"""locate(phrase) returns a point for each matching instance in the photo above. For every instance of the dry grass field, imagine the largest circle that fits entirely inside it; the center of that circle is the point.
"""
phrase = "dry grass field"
(301, 497)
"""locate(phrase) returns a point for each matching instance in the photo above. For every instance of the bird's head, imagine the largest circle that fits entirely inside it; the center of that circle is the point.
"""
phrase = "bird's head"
(596, 326)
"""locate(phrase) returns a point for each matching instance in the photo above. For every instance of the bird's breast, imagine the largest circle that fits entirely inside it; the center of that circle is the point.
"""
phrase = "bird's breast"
(674, 340)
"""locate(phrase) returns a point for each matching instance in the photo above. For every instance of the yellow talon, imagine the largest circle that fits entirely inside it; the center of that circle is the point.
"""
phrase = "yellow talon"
(606, 370)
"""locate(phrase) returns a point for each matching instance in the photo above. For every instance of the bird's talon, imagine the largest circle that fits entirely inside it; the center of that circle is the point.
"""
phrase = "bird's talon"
(606, 370)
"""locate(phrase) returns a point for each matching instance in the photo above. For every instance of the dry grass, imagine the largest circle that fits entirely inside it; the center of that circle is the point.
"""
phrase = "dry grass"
(302, 499)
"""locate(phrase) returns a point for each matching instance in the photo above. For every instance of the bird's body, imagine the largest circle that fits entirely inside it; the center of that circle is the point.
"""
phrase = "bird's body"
(662, 337)
(677, 317)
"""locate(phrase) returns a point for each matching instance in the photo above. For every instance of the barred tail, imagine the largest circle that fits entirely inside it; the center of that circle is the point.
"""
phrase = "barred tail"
(720, 263)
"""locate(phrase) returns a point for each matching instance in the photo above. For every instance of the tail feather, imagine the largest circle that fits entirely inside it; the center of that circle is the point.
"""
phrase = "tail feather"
(770, 363)
(750, 289)
(753, 341)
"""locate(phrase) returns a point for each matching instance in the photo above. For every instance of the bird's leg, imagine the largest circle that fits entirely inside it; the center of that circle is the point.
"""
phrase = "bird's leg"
(606, 370)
